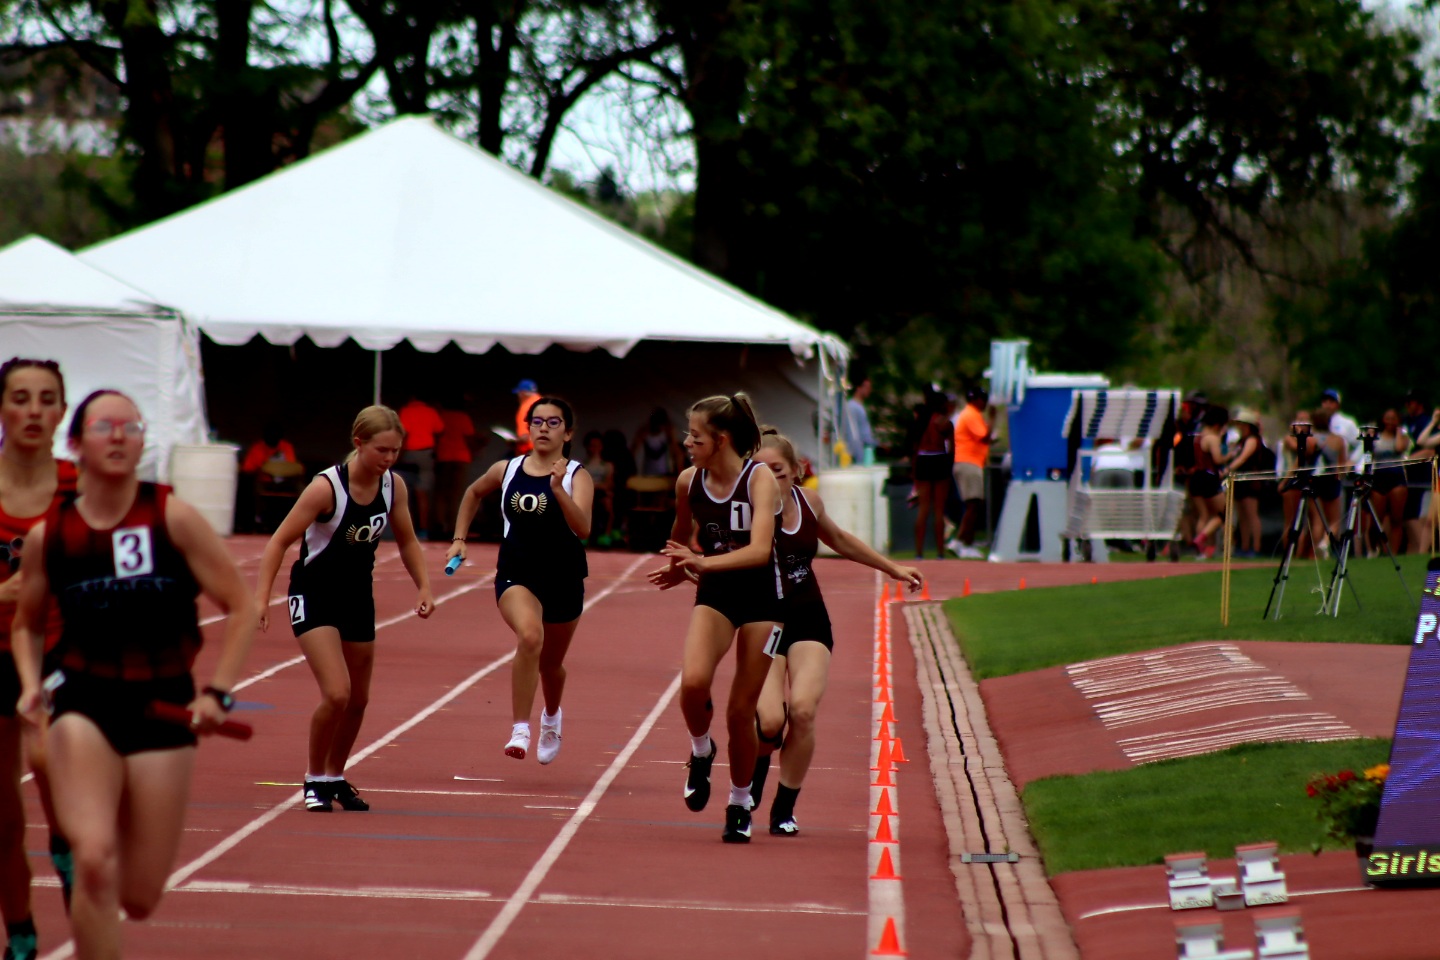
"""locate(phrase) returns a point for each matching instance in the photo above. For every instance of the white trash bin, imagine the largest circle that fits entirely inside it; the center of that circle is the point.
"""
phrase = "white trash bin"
(204, 476)
(855, 499)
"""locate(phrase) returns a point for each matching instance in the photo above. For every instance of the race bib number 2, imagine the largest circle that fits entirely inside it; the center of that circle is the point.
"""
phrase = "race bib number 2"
(132, 551)
(297, 609)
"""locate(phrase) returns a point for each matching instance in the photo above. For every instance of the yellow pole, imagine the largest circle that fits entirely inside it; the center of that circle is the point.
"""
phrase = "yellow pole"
(1225, 532)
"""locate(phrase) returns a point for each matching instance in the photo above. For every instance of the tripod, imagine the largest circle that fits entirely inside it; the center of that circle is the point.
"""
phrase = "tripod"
(1302, 481)
(1359, 499)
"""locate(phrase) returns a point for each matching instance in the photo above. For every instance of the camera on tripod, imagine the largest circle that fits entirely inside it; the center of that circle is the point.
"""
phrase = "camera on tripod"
(1368, 435)
(1300, 430)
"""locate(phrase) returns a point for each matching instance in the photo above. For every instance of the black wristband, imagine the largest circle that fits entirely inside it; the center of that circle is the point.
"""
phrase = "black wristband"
(222, 697)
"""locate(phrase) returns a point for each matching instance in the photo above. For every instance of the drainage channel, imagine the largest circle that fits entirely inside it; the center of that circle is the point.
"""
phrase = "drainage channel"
(1010, 909)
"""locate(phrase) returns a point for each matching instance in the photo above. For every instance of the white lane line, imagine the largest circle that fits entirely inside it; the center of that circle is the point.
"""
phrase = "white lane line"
(448, 793)
(702, 905)
(296, 890)
(537, 873)
(1137, 907)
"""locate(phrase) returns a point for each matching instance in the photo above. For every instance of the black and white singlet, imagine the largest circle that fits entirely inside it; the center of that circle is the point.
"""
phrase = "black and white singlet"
(330, 584)
(803, 609)
(742, 596)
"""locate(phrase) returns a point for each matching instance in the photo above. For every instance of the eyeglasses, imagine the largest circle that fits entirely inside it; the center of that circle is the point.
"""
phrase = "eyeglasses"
(551, 422)
(105, 428)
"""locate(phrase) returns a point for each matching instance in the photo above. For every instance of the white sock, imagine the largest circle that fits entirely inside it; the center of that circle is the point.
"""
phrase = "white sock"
(548, 720)
(740, 796)
(700, 746)
(522, 725)
(322, 778)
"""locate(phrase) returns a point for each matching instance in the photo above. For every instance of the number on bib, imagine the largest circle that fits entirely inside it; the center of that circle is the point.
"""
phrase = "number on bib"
(297, 609)
(739, 516)
(133, 554)
(773, 643)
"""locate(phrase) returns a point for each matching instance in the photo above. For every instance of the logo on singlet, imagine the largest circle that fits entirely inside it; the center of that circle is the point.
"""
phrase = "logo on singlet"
(529, 502)
(371, 531)
(799, 569)
(10, 554)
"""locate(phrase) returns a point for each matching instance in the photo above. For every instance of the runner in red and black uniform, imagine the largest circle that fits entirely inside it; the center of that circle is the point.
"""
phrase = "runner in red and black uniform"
(727, 507)
(803, 655)
(126, 561)
(32, 404)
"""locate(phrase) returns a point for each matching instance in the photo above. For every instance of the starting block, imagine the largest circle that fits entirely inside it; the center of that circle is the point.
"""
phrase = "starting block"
(1260, 875)
(1189, 881)
(1226, 893)
(1278, 934)
(1204, 941)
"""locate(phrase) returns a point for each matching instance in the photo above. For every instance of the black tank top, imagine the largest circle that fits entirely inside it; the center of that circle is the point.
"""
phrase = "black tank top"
(538, 539)
(127, 594)
(724, 525)
(796, 550)
(338, 550)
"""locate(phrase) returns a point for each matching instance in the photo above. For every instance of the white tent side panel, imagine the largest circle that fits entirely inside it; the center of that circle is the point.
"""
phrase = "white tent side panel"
(152, 358)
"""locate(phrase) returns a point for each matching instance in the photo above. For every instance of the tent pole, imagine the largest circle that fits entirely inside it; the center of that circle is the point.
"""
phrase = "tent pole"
(376, 399)
(823, 461)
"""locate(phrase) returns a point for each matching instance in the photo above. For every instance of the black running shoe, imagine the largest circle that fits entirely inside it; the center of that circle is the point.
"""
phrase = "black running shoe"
(344, 794)
(22, 947)
(785, 828)
(64, 862)
(737, 824)
(697, 781)
(318, 796)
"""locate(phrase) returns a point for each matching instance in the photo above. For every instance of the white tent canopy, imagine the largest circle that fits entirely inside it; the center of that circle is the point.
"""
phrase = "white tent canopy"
(104, 333)
(408, 233)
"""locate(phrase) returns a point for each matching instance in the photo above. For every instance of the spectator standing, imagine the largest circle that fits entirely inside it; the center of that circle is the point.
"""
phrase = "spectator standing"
(270, 448)
(930, 463)
(1251, 456)
(602, 473)
(974, 432)
(422, 424)
(855, 424)
(1388, 493)
(526, 393)
(1187, 430)
(1418, 417)
(1341, 425)
(655, 449)
(454, 452)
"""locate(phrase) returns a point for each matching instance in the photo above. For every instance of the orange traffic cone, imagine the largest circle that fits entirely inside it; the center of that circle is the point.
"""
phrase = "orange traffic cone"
(883, 778)
(889, 942)
(925, 590)
(882, 832)
(882, 806)
(884, 733)
(1094, 580)
(897, 751)
(884, 695)
(887, 715)
(884, 593)
(885, 869)
(1022, 583)
(885, 758)
(966, 593)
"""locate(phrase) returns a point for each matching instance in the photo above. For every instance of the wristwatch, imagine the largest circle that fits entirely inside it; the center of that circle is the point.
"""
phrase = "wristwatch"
(222, 697)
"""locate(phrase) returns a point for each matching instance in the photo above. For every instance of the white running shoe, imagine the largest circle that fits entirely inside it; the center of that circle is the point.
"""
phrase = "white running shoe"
(954, 546)
(549, 747)
(967, 552)
(519, 743)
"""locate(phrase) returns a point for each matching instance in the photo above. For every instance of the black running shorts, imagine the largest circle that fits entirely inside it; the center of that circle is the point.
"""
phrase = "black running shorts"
(353, 614)
(740, 596)
(118, 707)
(561, 599)
(9, 684)
(805, 621)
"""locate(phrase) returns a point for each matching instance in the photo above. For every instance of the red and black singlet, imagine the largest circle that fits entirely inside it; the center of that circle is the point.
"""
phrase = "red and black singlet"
(13, 531)
(126, 594)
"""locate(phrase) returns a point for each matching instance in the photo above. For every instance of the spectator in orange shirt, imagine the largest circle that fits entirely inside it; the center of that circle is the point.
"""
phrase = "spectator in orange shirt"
(454, 451)
(422, 424)
(973, 436)
(526, 393)
(271, 446)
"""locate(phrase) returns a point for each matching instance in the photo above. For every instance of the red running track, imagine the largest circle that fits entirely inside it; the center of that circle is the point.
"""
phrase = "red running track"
(468, 854)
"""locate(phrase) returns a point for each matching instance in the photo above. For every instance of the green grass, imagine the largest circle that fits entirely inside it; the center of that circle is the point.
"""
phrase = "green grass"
(1247, 794)
(1016, 631)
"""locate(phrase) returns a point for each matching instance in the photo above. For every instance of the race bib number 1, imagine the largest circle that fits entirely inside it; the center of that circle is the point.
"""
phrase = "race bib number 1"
(739, 516)
(132, 552)
(773, 643)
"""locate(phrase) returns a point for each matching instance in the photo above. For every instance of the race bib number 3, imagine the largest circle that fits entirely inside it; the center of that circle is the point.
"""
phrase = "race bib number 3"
(133, 554)
(297, 609)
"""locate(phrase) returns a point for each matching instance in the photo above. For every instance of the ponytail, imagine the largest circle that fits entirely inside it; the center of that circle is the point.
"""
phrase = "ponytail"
(371, 421)
(733, 415)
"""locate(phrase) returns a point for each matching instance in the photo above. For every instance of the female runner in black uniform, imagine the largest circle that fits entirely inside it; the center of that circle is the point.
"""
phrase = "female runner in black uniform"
(540, 577)
(342, 514)
(727, 506)
(32, 404)
(126, 561)
(805, 647)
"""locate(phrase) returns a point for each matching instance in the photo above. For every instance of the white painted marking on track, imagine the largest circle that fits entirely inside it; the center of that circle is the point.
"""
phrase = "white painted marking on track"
(1165, 905)
(702, 905)
(537, 873)
(295, 890)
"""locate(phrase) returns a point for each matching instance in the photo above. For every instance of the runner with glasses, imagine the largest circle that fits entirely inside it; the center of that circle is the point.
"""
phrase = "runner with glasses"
(546, 500)
(32, 404)
(331, 603)
(126, 561)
